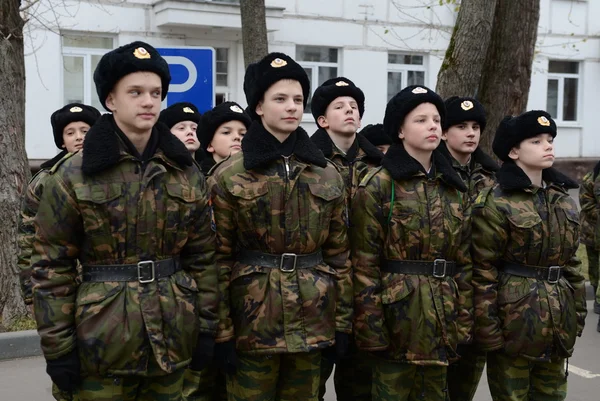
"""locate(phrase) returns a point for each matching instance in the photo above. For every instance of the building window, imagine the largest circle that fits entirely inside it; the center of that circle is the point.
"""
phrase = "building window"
(563, 90)
(320, 64)
(81, 55)
(404, 70)
(222, 84)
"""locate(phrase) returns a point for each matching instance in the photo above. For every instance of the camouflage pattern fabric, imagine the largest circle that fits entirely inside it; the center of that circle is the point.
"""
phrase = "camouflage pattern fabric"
(286, 206)
(393, 381)
(281, 377)
(589, 210)
(205, 385)
(464, 375)
(529, 226)
(593, 257)
(122, 215)
(418, 319)
(520, 379)
(475, 176)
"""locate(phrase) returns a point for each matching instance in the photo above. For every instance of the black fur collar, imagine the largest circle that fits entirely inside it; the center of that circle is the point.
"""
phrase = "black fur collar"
(479, 156)
(511, 177)
(322, 140)
(207, 163)
(259, 149)
(50, 163)
(403, 166)
(102, 148)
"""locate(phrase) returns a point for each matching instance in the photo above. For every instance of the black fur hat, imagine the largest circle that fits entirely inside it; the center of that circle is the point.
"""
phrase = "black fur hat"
(331, 90)
(406, 101)
(70, 113)
(461, 109)
(513, 130)
(212, 119)
(178, 112)
(262, 75)
(375, 134)
(133, 57)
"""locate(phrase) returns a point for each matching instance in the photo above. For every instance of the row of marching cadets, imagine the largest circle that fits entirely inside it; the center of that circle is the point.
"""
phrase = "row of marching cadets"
(406, 256)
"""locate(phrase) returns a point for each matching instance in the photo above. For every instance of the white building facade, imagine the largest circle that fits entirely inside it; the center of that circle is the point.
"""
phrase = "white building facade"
(382, 45)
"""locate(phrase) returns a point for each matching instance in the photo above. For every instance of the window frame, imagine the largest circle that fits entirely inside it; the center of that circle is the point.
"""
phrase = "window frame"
(405, 68)
(560, 77)
(314, 66)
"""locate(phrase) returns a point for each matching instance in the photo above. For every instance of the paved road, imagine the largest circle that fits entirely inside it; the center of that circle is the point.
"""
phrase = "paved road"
(26, 379)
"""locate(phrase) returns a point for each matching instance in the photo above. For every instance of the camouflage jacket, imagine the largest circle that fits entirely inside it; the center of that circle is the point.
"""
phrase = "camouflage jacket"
(478, 174)
(519, 223)
(29, 207)
(366, 157)
(399, 213)
(589, 200)
(265, 202)
(105, 208)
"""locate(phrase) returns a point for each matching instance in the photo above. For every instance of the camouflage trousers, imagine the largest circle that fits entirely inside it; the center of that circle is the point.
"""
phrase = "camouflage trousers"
(464, 374)
(394, 381)
(593, 265)
(519, 379)
(353, 378)
(205, 385)
(280, 377)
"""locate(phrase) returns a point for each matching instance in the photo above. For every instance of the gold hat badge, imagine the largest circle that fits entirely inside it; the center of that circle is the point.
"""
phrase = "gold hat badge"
(342, 83)
(466, 105)
(141, 53)
(235, 108)
(75, 109)
(419, 90)
(278, 63)
(543, 121)
(188, 110)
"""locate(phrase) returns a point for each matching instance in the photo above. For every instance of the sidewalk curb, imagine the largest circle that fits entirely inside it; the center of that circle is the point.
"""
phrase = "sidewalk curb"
(19, 344)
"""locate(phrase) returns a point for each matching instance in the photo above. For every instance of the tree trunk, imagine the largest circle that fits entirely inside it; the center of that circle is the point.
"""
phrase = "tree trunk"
(461, 70)
(506, 77)
(14, 171)
(254, 30)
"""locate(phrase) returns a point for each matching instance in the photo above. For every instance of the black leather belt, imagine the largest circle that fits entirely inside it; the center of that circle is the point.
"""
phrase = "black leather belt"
(145, 271)
(286, 262)
(551, 274)
(438, 268)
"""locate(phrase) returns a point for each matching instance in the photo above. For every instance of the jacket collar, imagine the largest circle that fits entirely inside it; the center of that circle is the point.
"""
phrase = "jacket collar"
(478, 157)
(50, 163)
(402, 166)
(511, 178)
(102, 148)
(323, 141)
(259, 149)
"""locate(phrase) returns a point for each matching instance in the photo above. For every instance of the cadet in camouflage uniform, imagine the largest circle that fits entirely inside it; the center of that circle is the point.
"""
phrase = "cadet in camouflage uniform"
(410, 254)
(465, 121)
(590, 237)
(221, 132)
(134, 211)
(338, 106)
(69, 126)
(375, 134)
(279, 209)
(529, 290)
(182, 119)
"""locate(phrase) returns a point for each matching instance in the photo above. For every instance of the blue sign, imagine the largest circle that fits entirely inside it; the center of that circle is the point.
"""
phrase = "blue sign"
(192, 76)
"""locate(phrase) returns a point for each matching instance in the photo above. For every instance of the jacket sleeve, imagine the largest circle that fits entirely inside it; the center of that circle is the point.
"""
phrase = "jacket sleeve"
(489, 241)
(367, 237)
(589, 210)
(572, 272)
(198, 255)
(224, 222)
(465, 318)
(59, 228)
(26, 234)
(336, 252)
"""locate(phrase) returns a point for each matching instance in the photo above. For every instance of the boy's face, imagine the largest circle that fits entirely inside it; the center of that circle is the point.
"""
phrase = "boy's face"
(463, 138)
(341, 116)
(227, 140)
(535, 153)
(186, 132)
(73, 135)
(282, 106)
(135, 102)
(421, 130)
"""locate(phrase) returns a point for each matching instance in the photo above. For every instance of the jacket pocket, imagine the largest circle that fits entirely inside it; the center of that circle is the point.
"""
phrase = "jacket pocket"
(253, 207)
(564, 314)
(570, 231)
(320, 206)
(399, 315)
(319, 296)
(525, 232)
(99, 208)
(180, 203)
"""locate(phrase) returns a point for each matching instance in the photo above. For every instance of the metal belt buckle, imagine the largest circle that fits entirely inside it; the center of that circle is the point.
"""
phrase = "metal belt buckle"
(283, 265)
(436, 272)
(141, 277)
(553, 278)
